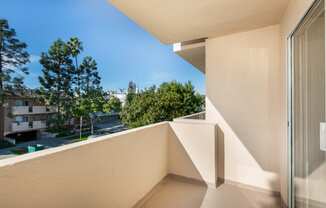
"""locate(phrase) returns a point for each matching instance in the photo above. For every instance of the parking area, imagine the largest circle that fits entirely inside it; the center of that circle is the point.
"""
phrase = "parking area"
(101, 130)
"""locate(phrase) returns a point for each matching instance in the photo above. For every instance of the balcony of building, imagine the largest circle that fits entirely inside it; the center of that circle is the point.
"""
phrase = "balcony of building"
(170, 164)
(27, 126)
(26, 110)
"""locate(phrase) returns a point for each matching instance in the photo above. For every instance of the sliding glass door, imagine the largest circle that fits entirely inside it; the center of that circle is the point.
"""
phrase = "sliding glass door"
(308, 111)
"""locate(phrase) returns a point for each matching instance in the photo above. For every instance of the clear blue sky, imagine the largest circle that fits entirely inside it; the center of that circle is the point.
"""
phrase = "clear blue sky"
(123, 50)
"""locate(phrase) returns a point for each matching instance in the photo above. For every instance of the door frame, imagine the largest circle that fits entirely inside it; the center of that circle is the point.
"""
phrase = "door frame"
(290, 97)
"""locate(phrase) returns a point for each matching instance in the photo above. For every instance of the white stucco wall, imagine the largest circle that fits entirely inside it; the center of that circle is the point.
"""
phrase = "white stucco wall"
(112, 171)
(243, 87)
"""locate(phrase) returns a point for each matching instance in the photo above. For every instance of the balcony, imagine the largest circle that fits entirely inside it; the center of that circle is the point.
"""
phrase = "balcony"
(26, 126)
(170, 164)
(196, 116)
(26, 110)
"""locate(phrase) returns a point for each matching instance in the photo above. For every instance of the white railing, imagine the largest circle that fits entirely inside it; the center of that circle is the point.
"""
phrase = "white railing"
(39, 124)
(16, 110)
(23, 110)
(196, 116)
(19, 126)
(25, 126)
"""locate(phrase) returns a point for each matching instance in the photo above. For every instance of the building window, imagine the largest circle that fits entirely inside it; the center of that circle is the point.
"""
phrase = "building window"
(19, 103)
(21, 119)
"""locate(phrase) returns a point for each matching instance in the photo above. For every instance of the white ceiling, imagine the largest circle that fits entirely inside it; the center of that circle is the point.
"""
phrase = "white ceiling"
(174, 21)
(193, 53)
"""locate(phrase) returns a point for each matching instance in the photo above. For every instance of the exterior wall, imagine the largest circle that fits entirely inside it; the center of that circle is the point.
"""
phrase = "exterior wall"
(193, 150)
(112, 171)
(294, 13)
(38, 116)
(239, 67)
(243, 84)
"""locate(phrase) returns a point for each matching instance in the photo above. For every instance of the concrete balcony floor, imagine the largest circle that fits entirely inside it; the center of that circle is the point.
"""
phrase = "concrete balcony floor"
(174, 192)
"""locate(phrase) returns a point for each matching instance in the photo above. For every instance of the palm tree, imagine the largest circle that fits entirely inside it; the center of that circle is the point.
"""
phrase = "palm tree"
(76, 47)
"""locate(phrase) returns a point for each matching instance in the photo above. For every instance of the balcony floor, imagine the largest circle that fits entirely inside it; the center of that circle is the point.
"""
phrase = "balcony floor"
(176, 193)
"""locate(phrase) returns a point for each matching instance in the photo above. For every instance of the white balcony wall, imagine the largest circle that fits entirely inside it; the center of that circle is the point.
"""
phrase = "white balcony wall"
(39, 125)
(111, 171)
(117, 170)
(39, 109)
(23, 126)
(24, 110)
(20, 110)
(193, 150)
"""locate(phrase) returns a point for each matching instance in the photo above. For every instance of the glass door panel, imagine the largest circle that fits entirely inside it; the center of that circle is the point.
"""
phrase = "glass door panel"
(309, 156)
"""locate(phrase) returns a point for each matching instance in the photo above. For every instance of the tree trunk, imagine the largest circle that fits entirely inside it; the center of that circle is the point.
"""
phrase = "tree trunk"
(92, 126)
(2, 95)
(81, 127)
(2, 122)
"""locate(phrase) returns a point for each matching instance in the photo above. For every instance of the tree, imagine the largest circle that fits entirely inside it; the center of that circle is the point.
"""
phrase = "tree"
(90, 78)
(141, 110)
(75, 46)
(57, 79)
(13, 58)
(169, 101)
(177, 100)
(113, 105)
(93, 101)
(92, 95)
(73, 87)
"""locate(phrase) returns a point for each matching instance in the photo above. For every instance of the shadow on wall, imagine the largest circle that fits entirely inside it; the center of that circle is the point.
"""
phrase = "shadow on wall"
(196, 150)
(179, 161)
(250, 158)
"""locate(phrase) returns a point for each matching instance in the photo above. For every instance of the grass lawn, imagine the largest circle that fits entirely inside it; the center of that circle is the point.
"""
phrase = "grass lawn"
(19, 151)
(77, 137)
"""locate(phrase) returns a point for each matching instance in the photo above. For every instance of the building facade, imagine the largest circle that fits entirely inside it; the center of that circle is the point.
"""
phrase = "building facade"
(26, 117)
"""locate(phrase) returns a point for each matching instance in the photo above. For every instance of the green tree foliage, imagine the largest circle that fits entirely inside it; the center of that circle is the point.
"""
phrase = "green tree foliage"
(92, 102)
(113, 105)
(74, 88)
(169, 101)
(57, 79)
(90, 78)
(13, 58)
(92, 95)
(76, 47)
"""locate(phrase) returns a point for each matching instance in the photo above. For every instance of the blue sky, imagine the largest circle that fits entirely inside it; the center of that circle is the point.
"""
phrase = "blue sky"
(123, 50)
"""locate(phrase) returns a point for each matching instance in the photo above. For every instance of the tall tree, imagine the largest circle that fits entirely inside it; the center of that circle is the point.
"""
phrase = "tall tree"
(90, 77)
(91, 94)
(57, 79)
(13, 58)
(76, 47)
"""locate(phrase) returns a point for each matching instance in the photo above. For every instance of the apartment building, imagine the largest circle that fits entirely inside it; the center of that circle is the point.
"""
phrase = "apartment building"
(261, 142)
(26, 116)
